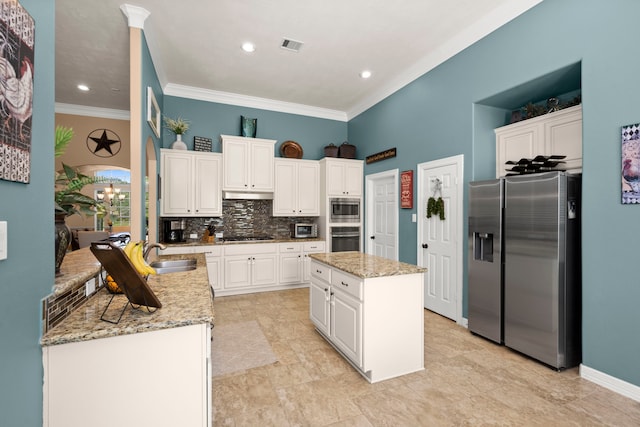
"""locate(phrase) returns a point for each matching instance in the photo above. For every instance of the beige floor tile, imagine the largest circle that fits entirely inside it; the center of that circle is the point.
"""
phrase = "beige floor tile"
(467, 380)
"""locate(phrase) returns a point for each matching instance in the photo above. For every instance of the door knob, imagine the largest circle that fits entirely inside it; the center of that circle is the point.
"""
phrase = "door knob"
(373, 237)
(425, 246)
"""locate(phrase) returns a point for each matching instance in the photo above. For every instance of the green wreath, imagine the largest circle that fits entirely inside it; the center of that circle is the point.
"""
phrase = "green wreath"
(435, 207)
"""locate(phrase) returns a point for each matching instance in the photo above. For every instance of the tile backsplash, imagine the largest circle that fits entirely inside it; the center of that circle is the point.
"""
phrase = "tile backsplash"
(245, 218)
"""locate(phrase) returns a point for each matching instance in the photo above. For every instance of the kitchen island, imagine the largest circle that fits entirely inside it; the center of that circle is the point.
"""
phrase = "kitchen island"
(146, 369)
(370, 309)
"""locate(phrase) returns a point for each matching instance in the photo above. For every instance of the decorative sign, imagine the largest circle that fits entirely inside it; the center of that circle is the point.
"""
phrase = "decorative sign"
(201, 143)
(406, 190)
(104, 143)
(383, 155)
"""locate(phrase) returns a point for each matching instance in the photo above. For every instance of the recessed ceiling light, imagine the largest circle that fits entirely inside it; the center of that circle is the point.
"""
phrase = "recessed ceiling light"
(365, 74)
(248, 47)
(83, 88)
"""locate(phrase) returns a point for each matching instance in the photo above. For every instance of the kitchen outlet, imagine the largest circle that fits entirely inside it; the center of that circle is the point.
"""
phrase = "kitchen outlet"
(193, 235)
(3, 240)
(90, 287)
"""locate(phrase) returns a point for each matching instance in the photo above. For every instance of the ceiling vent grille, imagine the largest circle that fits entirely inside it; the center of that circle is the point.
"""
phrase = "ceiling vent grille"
(291, 45)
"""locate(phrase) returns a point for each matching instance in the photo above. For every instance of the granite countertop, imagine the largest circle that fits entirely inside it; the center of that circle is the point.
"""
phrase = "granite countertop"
(195, 242)
(366, 266)
(77, 267)
(185, 297)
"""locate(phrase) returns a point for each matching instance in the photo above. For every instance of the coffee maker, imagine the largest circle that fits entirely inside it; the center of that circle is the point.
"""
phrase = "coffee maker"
(173, 230)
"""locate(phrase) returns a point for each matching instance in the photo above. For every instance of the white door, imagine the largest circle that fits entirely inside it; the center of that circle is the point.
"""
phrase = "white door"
(382, 220)
(440, 242)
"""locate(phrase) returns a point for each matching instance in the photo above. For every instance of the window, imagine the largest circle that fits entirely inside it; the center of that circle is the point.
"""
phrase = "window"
(114, 191)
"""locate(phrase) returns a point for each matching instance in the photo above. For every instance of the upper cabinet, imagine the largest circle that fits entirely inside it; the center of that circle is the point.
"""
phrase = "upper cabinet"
(190, 183)
(248, 164)
(342, 177)
(297, 188)
(557, 133)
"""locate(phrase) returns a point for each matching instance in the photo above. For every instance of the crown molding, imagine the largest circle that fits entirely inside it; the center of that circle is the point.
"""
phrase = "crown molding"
(190, 92)
(83, 110)
(470, 35)
(135, 14)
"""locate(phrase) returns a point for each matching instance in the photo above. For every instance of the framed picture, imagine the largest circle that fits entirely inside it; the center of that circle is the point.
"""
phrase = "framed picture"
(406, 189)
(153, 112)
(631, 164)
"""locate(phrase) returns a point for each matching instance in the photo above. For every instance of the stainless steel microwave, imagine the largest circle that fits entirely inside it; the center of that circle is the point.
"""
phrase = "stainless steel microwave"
(344, 210)
(301, 231)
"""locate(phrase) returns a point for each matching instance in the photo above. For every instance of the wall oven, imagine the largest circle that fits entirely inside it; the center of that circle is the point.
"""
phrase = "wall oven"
(344, 210)
(345, 239)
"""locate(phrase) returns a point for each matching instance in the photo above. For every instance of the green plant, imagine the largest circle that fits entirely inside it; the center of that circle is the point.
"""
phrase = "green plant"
(178, 126)
(68, 198)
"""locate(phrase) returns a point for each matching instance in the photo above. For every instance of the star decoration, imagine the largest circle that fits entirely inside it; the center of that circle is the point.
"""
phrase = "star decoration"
(104, 142)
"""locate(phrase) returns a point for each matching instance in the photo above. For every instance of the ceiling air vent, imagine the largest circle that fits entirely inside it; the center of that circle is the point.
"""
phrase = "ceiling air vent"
(291, 45)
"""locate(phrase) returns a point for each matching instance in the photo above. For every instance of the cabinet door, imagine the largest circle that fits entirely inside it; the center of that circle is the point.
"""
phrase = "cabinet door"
(264, 270)
(515, 144)
(285, 191)
(291, 267)
(176, 183)
(563, 136)
(319, 305)
(353, 179)
(310, 248)
(213, 272)
(261, 166)
(308, 192)
(208, 195)
(346, 325)
(236, 165)
(335, 173)
(237, 271)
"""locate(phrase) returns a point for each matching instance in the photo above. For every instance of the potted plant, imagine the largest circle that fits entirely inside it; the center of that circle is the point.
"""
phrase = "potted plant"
(179, 127)
(68, 197)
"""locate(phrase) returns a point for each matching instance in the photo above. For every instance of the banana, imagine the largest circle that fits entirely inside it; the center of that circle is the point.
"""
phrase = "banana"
(127, 249)
(139, 262)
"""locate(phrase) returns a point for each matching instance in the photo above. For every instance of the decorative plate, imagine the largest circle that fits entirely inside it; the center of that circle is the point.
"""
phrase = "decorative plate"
(291, 150)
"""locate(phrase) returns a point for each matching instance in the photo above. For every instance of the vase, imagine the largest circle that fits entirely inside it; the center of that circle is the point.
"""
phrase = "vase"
(63, 237)
(178, 144)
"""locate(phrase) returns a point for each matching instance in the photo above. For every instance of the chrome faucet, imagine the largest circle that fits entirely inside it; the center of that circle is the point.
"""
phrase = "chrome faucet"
(151, 246)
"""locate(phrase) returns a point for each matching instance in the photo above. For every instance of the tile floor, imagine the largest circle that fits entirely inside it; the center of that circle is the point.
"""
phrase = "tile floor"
(467, 380)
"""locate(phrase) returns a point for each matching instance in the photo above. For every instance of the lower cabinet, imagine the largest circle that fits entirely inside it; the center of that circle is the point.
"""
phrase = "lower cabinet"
(250, 266)
(247, 268)
(376, 323)
(159, 378)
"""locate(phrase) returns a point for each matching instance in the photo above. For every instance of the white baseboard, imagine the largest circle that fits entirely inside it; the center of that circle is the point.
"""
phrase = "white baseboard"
(612, 383)
(464, 322)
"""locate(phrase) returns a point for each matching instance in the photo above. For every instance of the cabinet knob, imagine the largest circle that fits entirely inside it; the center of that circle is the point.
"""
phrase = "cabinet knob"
(345, 284)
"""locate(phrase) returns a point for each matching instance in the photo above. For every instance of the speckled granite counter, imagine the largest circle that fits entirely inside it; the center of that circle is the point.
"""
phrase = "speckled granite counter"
(185, 297)
(77, 267)
(366, 266)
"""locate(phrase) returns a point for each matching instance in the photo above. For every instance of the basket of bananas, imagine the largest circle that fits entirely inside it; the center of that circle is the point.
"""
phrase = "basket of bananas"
(127, 271)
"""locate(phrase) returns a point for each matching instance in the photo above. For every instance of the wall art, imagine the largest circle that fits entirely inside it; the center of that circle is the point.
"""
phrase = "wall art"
(153, 112)
(17, 37)
(631, 164)
(406, 189)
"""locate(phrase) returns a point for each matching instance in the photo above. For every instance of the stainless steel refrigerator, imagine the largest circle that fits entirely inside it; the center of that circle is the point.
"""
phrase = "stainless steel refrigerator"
(541, 290)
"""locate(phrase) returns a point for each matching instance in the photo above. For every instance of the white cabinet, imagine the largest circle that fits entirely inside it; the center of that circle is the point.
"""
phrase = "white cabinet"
(250, 266)
(297, 188)
(148, 368)
(376, 323)
(248, 164)
(557, 133)
(295, 261)
(341, 177)
(213, 255)
(190, 183)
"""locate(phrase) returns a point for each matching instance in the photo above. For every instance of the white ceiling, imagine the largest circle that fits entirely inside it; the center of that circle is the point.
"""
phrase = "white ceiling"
(195, 46)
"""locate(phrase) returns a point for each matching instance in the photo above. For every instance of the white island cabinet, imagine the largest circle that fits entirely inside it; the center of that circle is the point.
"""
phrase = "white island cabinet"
(370, 309)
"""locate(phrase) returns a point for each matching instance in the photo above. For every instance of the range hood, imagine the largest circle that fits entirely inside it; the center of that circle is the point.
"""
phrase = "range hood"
(238, 195)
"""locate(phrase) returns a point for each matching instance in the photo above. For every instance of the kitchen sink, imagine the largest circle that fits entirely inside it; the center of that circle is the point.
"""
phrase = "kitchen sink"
(173, 266)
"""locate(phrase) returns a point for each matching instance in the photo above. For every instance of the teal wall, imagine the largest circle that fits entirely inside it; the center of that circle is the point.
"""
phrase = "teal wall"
(211, 120)
(438, 115)
(27, 275)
